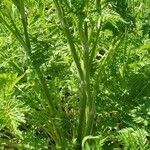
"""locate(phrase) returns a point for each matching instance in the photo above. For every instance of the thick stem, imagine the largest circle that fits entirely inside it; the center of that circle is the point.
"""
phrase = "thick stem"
(81, 126)
(69, 38)
(84, 41)
(78, 65)
(37, 69)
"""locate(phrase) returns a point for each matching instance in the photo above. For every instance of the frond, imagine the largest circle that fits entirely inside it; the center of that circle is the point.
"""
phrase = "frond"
(11, 110)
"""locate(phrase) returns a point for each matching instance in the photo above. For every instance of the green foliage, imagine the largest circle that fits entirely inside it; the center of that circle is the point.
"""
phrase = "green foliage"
(11, 109)
(134, 139)
(99, 142)
(74, 69)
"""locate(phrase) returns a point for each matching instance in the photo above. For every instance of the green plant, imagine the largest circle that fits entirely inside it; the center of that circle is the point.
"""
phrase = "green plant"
(79, 68)
(134, 139)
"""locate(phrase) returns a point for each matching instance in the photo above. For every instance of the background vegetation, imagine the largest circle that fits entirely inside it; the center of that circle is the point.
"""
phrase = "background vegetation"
(74, 74)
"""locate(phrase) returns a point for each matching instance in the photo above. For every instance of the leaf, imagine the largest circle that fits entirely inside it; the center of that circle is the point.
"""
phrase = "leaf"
(90, 137)
(11, 110)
